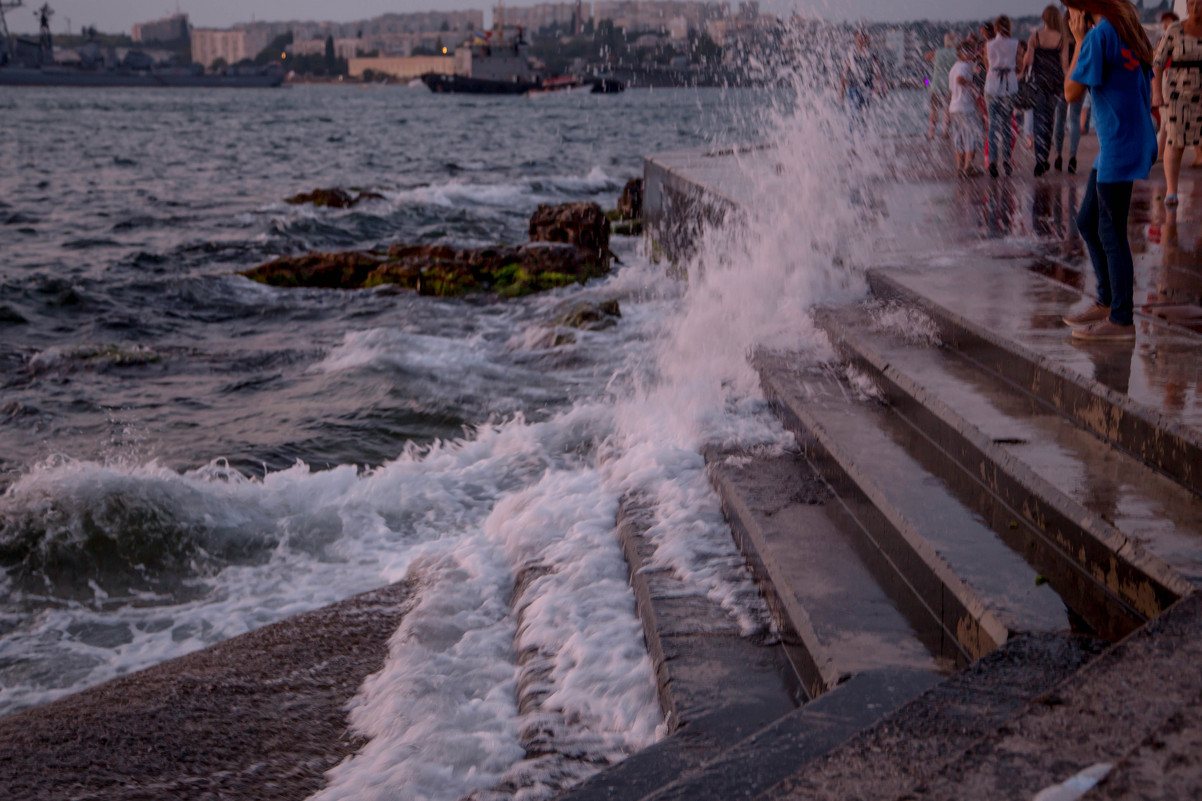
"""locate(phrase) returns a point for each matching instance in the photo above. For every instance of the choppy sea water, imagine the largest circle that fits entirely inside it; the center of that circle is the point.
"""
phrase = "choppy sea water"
(186, 455)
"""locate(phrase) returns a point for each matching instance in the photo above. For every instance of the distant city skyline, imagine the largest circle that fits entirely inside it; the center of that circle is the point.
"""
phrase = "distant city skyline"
(118, 16)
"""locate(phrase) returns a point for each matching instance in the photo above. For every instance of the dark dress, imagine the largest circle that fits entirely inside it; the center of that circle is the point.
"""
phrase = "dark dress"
(1047, 73)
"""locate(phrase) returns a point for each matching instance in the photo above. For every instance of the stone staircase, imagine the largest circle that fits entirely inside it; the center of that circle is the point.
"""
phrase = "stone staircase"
(976, 509)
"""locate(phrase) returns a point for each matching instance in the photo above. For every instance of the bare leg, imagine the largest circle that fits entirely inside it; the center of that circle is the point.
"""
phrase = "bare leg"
(1172, 168)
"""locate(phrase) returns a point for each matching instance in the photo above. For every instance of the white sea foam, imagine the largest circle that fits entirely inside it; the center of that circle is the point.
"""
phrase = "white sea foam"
(683, 382)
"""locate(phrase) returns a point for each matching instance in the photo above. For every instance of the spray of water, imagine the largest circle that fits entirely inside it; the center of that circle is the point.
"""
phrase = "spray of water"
(752, 283)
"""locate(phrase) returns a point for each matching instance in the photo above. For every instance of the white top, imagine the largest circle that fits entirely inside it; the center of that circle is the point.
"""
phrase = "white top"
(962, 99)
(1003, 56)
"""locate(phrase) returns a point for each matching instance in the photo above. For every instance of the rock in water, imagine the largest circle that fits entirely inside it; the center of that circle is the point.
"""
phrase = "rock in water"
(630, 204)
(589, 316)
(348, 270)
(332, 198)
(570, 245)
(581, 224)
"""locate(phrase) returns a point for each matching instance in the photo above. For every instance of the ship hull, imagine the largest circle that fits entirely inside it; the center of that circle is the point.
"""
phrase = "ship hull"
(458, 84)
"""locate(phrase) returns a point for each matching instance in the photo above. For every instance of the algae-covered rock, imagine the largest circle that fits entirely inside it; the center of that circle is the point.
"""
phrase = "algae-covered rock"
(588, 316)
(581, 224)
(333, 198)
(570, 244)
(346, 270)
(630, 204)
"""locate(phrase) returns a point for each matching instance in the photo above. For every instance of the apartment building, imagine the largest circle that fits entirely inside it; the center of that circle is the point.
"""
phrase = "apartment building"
(544, 15)
(210, 44)
(659, 15)
(448, 22)
(168, 29)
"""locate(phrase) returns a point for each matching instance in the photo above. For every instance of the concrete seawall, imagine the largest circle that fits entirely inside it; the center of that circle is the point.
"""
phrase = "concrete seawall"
(987, 490)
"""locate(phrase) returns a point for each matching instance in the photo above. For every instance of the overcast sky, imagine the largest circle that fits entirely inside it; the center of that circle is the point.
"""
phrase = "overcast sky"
(119, 15)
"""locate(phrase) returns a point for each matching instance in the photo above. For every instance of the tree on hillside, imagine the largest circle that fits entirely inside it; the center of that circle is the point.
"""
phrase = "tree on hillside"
(273, 50)
(331, 56)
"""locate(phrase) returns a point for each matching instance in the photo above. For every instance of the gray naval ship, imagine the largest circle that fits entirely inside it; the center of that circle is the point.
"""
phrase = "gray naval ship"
(29, 62)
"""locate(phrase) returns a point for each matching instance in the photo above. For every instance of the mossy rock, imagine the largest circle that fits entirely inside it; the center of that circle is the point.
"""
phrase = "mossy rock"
(347, 270)
(589, 316)
(394, 273)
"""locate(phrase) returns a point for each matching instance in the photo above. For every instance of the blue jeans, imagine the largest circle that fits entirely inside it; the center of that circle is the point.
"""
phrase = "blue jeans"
(1000, 111)
(857, 106)
(1102, 222)
(1049, 124)
(1074, 127)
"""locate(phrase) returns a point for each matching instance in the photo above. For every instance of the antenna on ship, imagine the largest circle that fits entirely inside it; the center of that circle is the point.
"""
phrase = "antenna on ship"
(44, 14)
(7, 51)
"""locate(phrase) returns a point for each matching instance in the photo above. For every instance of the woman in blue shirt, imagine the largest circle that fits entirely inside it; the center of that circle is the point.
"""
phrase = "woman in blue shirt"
(1113, 62)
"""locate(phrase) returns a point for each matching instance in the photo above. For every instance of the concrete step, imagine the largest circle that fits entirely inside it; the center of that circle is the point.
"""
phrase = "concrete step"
(1133, 396)
(896, 757)
(779, 750)
(976, 589)
(1134, 707)
(829, 600)
(1120, 541)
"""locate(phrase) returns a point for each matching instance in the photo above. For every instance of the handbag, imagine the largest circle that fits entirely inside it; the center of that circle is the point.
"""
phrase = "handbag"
(1024, 98)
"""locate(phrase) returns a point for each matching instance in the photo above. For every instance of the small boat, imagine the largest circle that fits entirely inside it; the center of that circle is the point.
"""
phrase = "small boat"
(607, 86)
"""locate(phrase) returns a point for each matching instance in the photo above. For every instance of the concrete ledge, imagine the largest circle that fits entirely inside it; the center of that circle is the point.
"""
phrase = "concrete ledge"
(970, 629)
(1095, 558)
(259, 716)
(782, 748)
(702, 662)
(677, 207)
(1104, 713)
(814, 666)
(1164, 444)
(893, 758)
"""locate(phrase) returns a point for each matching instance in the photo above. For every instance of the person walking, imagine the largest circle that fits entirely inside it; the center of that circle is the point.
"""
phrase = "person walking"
(861, 79)
(1177, 91)
(1113, 64)
(965, 122)
(942, 60)
(1001, 82)
(1046, 59)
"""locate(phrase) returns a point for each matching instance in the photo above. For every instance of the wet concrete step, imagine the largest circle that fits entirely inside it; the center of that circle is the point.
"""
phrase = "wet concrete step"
(829, 599)
(1135, 396)
(779, 750)
(1105, 524)
(897, 757)
(977, 589)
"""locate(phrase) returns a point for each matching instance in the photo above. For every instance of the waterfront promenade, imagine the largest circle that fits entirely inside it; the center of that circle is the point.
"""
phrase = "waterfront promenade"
(1020, 510)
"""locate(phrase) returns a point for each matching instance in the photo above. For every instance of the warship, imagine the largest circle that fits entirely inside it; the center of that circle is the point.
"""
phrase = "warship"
(30, 62)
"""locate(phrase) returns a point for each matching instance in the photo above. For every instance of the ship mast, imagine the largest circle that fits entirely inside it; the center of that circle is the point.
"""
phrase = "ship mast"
(6, 49)
(500, 21)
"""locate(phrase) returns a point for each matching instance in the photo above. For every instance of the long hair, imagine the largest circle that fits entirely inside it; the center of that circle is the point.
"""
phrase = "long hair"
(1052, 20)
(1125, 19)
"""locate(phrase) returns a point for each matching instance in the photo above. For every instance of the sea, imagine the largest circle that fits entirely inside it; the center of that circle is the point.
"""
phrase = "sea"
(186, 455)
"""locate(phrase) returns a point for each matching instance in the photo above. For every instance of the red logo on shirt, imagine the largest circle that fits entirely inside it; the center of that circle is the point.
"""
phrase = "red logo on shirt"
(1129, 60)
